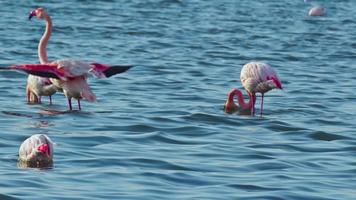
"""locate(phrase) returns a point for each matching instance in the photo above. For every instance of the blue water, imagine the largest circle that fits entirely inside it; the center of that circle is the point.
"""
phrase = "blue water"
(159, 130)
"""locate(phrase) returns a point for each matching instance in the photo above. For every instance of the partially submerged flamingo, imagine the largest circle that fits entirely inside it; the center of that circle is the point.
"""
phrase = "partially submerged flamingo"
(36, 152)
(40, 86)
(69, 76)
(317, 11)
(242, 107)
(258, 77)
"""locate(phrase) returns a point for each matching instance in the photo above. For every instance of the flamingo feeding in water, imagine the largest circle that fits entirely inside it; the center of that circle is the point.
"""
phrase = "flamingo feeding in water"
(69, 76)
(40, 86)
(258, 77)
(36, 152)
(243, 107)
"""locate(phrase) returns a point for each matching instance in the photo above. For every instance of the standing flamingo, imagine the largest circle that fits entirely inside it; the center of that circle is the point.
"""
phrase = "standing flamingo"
(231, 107)
(258, 77)
(40, 86)
(36, 152)
(68, 75)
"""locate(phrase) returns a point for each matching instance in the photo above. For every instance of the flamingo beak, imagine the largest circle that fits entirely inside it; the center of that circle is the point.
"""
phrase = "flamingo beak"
(32, 13)
(43, 148)
(277, 83)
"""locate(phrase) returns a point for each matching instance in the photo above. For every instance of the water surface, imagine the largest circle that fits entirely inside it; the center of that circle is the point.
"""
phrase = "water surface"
(159, 131)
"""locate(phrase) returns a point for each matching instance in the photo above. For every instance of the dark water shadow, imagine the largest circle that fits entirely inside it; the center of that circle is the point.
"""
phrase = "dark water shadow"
(21, 114)
(52, 112)
(7, 197)
(44, 112)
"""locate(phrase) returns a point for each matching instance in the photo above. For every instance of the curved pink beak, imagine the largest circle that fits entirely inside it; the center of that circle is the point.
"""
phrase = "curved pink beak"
(32, 13)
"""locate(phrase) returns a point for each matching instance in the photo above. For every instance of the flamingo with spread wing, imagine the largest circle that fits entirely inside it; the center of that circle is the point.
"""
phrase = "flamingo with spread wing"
(69, 76)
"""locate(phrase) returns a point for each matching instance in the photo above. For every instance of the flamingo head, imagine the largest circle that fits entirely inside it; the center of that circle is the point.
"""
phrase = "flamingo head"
(40, 13)
(276, 83)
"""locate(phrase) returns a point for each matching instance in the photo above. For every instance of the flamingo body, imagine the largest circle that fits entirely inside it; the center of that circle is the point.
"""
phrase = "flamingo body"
(259, 77)
(39, 86)
(36, 152)
(317, 11)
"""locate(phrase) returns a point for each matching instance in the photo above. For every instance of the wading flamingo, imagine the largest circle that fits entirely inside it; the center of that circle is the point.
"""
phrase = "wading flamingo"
(70, 76)
(317, 11)
(36, 152)
(243, 107)
(258, 77)
(40, 86)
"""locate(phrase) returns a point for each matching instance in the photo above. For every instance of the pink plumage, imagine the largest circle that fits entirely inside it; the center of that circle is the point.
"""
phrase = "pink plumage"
(259, 77)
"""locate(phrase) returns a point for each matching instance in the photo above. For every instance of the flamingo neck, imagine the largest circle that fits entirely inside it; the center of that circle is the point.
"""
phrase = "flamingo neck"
(42, 53)
(240, 99)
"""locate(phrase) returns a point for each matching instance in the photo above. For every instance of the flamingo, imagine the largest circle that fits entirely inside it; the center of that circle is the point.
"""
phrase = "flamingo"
(70, 76)
(258, 77)
(317, 11)
(40, 86)
(231, 107)
(36, 152)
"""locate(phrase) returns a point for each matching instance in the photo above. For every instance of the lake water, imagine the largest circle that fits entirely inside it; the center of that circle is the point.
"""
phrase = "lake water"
(159, 131)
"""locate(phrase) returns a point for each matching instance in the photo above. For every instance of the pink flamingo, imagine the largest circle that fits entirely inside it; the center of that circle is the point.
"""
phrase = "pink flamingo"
(317, 11)
(258, 77)
(40, 86)
(243, 107)
(36, 151)
(70, 76)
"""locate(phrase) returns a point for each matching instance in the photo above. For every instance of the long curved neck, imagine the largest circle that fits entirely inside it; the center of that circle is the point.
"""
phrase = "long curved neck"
(42, 53)
(240, 99)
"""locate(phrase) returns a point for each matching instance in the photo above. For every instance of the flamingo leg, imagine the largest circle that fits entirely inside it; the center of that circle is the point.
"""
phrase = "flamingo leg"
(262, 104)
(254, 102)
(28, 93)
(79, 104)
(253, 99)
(35, 98)
(70, 103)
(50, 99)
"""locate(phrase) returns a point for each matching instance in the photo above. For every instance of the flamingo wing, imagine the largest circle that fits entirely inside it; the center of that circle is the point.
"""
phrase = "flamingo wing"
(43, 70)
(106, 71)
(73, 68)
(64, 69)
